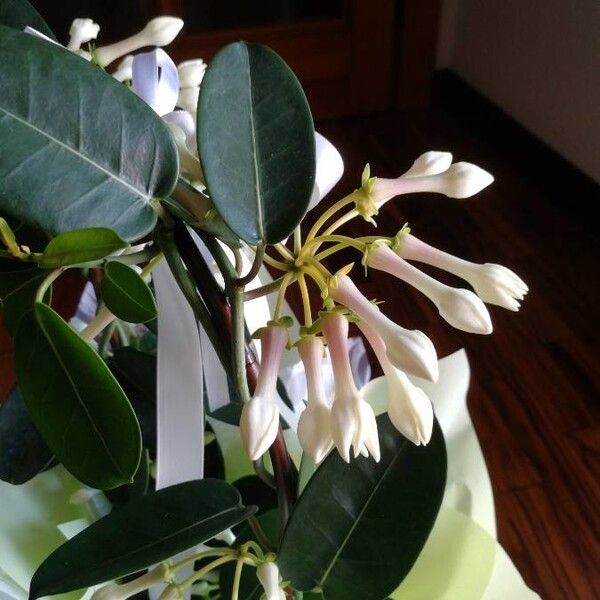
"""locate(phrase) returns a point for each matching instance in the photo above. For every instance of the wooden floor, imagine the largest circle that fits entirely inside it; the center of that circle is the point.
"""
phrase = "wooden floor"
(534, 395)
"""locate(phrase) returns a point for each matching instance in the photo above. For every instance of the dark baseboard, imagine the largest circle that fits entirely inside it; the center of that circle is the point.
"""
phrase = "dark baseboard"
(451, 93)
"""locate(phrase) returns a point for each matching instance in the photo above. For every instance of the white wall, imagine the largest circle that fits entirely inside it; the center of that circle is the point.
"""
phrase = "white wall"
(538, 60)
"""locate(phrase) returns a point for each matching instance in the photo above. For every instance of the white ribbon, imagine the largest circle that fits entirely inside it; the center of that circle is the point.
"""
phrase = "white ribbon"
(180, 411)
(155, 80)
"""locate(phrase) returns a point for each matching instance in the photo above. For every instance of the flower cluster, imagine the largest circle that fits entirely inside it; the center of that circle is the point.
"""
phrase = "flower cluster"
(345, 420)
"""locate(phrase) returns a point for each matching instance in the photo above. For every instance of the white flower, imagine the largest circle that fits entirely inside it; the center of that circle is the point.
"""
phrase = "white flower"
(124, 70)
(82, 31)
(459, 307)
(259, 422)
(409, 350)
(430, 163)
(114, 591)
(188, 99)
(493, 283)
(409, 408)
(460, 180)
(498, 285)
(352, 419)
(188, 162)
(191, 72)
(314, 425)
(268, 575)
(160, 31)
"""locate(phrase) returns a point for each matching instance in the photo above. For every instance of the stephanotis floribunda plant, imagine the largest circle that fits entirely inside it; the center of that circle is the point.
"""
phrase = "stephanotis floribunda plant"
(136, 172)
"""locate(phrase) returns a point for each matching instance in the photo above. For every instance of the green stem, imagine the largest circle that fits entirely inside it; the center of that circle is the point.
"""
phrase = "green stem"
(46, 283)
(235, 591)
(264, 290)
(186, 583)
(254, 269)
(238, 342)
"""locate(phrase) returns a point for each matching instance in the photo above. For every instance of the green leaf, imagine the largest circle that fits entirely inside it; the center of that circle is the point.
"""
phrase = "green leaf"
(256, 142)
(77, 148)
(136, 489)
(126, 294)
(145, 532)
(23, 453)
(357, 529)
(80, 246)
(75, 402)
(20, 14)
(18, 287)
(136, 373)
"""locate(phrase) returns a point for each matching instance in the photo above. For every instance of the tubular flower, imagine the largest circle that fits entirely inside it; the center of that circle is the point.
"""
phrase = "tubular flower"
(268, 575)
(160, 31)
(259, 422)
(460, 180)
(459, 307)
(314, 425)
(494, 284)
(115, 591)
(352, 419)
(409, 350)
(409, 408)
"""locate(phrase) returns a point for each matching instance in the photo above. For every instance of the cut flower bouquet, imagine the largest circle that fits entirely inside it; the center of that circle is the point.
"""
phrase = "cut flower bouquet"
(208, 441)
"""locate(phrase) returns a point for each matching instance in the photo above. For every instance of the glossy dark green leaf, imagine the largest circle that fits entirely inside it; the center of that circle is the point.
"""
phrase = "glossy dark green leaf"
(357, 529)
(145, 532)
(23, 452)
(126, 294)
(136, 373)
(256, 142)
(250, 587)
(75, 402)
(80, 246)
(18, 288)
(20, 14)
(139, 487)
(77, 148)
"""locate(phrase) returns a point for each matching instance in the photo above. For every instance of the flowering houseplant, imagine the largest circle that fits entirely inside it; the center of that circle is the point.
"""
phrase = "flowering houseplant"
(170, 187)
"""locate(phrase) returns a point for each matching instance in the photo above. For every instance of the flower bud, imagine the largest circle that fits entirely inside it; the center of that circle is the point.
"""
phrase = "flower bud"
(191, 72)
(498, 285)
(460, 180)
(82, 31)
(188, 99)
(160, 31)
(124, 70)
(259, 422)
(430, 163)
(314, 425)
(352, 419)
(268, 575)
(461, 308)
(409, 408)
(464, 310)
(494, 284)
(410, 351)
